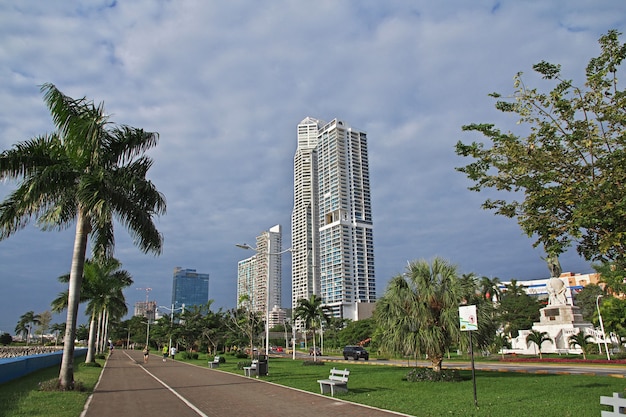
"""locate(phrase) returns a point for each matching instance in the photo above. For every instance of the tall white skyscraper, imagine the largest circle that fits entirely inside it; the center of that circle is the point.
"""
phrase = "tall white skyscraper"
(332, 228)
(262, 271)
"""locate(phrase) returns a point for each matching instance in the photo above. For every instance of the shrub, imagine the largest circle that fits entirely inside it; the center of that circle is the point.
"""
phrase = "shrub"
(243, 364)
(312, 363)
(189, 355)
(428, 375)
(91, 365)
(55, 385)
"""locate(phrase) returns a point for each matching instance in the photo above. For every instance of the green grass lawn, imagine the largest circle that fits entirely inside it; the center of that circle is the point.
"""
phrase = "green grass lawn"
(22, 397)
(508, 394)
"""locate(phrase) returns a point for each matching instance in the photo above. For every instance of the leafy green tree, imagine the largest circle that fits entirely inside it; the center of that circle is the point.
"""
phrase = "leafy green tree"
(312, 313)
(568, 164)
(5, 339)
(613, 315)
(517, 310)
(88, 171)
(583, 340)
(360, 331)
(44, 324)
(26, 323)
(586, 300)
(538, 338)
(57, 328)
(418, 314)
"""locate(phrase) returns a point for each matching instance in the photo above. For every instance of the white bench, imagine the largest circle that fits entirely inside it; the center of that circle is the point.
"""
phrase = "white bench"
(337, 382)
(215, 363)
(252, 369)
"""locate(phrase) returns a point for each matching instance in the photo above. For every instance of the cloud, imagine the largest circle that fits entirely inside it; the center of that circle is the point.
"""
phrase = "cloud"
(225, 86)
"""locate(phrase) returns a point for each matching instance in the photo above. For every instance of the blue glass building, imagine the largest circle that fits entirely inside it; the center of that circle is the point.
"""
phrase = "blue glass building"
(189, 288)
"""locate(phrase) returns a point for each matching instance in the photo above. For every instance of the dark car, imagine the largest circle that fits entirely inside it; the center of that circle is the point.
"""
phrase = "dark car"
(355, 352)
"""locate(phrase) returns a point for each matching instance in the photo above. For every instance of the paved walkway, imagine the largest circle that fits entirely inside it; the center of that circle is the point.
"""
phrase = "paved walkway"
(128, 387)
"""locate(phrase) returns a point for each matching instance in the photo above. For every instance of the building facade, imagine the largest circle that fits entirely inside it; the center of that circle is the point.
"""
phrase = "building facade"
(332, 226)
(190, 288)
(259, 278)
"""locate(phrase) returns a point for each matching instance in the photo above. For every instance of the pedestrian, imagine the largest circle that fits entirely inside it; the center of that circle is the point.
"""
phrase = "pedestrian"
(172, 352)
(146, 354)
(164, 353)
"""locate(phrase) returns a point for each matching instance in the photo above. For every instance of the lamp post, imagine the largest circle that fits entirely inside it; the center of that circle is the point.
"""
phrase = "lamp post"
(267, 288)
(172, 310)
(608, 354)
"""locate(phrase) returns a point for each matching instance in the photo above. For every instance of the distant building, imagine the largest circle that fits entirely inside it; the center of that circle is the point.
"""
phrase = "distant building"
(189, 288)
(260, 272)
(146, 309)
(573, 282)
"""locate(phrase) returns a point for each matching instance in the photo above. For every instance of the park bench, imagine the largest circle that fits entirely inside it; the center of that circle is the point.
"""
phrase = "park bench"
(215, 363)
(616, 401)
(252, 369)
(337, 382)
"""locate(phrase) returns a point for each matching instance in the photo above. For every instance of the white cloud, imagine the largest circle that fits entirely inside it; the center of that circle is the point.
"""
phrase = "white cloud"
(225, 85)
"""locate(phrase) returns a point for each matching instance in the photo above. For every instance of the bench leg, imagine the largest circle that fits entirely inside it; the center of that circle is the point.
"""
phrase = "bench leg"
(325, 388)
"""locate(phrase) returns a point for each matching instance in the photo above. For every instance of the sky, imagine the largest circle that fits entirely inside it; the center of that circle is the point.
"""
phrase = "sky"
(225, 85)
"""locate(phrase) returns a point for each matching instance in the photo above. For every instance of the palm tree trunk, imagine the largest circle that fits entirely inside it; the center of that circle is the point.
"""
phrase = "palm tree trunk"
(66, 374)
(91, 344)
(99, 333)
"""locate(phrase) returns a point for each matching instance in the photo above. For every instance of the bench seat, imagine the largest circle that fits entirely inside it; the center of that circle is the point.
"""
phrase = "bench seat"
(252, 369)
(215, 363)
(337, 382)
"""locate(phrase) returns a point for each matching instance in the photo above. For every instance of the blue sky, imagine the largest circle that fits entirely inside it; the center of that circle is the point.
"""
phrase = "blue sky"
(225, 85)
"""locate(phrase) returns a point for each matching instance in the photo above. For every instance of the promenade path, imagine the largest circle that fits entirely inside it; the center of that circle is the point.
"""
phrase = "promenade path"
(128, 387)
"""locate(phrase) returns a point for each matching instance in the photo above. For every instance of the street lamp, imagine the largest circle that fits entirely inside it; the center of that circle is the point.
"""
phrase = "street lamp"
(172, 310)
(608, 354)
(267, 288)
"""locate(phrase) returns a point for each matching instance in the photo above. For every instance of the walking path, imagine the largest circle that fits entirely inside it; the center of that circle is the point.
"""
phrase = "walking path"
(128, 387)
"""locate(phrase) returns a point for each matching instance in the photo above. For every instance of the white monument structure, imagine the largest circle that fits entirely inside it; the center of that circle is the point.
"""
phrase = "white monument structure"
(559, 319)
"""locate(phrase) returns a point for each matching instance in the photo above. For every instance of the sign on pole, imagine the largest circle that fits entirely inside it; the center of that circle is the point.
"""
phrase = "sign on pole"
(469, 322)
(467, 317)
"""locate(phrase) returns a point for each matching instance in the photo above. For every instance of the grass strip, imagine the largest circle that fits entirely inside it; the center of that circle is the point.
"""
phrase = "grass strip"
(510, 394)
(23, 398)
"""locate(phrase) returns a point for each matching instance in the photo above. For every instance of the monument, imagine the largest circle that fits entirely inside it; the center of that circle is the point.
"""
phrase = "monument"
(559, 319)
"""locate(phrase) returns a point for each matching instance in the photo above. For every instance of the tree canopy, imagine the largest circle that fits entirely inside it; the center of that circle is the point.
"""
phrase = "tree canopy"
(566, 170)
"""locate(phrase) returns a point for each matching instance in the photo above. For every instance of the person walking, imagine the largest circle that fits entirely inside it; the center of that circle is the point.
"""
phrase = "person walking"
(146, 354)
(172, 352)
(164, 353)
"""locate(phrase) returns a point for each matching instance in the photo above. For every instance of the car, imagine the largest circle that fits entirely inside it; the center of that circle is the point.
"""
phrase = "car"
(355, 352)
(317, 352)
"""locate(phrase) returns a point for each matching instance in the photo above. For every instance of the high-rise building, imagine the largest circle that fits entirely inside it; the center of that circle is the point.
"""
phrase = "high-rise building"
(146, 309)
(332, 227)
(260, 272)
(189, 288)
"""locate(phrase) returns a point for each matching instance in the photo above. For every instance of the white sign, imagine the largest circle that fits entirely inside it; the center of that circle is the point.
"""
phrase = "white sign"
(468, 318)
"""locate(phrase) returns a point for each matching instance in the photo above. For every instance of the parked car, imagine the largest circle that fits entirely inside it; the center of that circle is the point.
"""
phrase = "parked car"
(355, 352)
(316, 352)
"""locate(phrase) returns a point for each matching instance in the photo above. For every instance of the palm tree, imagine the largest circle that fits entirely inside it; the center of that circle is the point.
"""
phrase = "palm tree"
(103, 282)
(312, 313)
(490, 288)
(25, 325)
(583, 340)
(57, 328)
(88, 171)
(418, 313)
(538, 338)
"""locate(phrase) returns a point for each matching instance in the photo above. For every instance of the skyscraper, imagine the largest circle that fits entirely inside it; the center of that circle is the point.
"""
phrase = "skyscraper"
(262, 271)
(332, 227)
(189, 287)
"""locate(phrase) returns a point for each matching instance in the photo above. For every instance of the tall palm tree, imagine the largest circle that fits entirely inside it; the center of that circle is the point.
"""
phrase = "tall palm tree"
(26, 323)
(538, 338)
(57, 328)
(88, 171)
(581, 339)
(418, 314)
(312, 313)
(490, 288)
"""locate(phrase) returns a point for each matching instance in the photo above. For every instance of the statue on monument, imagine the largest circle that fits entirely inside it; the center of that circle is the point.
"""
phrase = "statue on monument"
(556, 292)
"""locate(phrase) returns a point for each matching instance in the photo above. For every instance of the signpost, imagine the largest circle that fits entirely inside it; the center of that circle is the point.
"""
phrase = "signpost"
(469, 322)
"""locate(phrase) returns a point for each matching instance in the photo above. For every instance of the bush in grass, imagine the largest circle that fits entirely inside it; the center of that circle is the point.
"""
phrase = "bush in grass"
(243, 364)
(55, 385)
(189, 355)
(312, 363)
(91, 365)
(428, 375)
